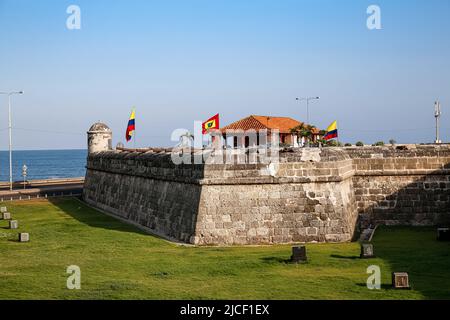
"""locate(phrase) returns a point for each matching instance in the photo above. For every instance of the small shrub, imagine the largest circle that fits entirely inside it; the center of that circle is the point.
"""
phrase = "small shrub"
(392, 142)
(334, 143)
(348, 144)
(360, 144)
(378, 144)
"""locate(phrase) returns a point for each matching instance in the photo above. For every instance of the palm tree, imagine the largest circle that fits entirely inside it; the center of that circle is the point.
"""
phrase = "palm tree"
(303, 131)
(312, 129)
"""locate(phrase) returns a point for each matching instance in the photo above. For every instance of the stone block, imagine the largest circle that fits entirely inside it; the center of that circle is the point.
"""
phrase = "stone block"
(367, 251)
(262, 231)
(299, 254)
(335, 238)
(226, 218)
(24, 237)
(400, 280)
(13, 224)
(443, 234)
(311, 231)
(6, 216)
(3, 209)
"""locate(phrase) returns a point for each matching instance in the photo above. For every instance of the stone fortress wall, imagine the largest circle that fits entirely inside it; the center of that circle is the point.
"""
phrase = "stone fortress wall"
(322, 195)
(402, 187)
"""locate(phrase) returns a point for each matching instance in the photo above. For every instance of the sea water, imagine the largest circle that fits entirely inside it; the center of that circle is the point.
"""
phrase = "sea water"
(44, 164)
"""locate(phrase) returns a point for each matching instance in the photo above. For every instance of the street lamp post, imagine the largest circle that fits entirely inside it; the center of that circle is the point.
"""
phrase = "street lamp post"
(307, 107)
(437, 115)
(24, 175)
(9, 94)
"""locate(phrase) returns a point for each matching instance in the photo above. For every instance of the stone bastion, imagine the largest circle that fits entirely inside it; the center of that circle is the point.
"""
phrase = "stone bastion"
(314, 195)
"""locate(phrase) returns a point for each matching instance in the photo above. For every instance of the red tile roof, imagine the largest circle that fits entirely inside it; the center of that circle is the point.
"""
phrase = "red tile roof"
(284, 124)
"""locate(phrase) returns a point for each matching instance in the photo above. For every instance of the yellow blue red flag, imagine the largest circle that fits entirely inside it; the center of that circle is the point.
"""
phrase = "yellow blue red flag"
(131, 126)
(332, 131)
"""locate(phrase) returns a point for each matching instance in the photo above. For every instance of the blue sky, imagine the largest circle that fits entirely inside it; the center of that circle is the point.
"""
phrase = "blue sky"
(183, 60)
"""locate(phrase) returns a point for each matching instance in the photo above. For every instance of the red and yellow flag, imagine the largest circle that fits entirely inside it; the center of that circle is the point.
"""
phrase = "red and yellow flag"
(211, 123)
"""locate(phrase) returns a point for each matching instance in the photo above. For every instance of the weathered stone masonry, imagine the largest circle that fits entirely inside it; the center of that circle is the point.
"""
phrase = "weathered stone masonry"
(316, 195)
(402, 187)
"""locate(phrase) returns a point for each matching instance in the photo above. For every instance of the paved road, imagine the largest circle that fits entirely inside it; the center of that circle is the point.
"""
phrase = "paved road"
(42, 189)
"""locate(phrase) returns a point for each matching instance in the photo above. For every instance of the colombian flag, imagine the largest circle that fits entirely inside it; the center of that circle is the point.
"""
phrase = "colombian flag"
(212, 123)
(131, 126)
(331, 131)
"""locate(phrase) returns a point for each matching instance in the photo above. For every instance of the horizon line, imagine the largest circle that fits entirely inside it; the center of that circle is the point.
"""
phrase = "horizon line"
(72, 149)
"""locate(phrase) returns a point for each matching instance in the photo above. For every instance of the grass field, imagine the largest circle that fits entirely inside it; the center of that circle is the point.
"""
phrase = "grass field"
(118, 261)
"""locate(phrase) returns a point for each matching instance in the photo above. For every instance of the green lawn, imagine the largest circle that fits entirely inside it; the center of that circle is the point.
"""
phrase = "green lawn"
(118, 261)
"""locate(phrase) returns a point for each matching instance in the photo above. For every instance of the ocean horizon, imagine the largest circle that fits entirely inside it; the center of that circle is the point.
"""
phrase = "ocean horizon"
(44, 164)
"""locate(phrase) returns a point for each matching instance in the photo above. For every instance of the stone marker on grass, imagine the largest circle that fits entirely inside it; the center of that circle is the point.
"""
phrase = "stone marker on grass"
(13, 224)
(298, 254)
(3, 209)
(400, 280)
(6, 216)
(443, 234)
(24, 237)
(367, 251)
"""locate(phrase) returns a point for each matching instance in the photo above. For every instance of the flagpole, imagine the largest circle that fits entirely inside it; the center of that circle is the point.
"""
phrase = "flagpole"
(337, 134)
(134, 140)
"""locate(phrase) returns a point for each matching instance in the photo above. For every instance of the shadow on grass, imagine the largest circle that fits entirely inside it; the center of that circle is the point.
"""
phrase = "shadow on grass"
(338, 256)
(78, 210)
(383, 286)
(276, 260)
(17, 241)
